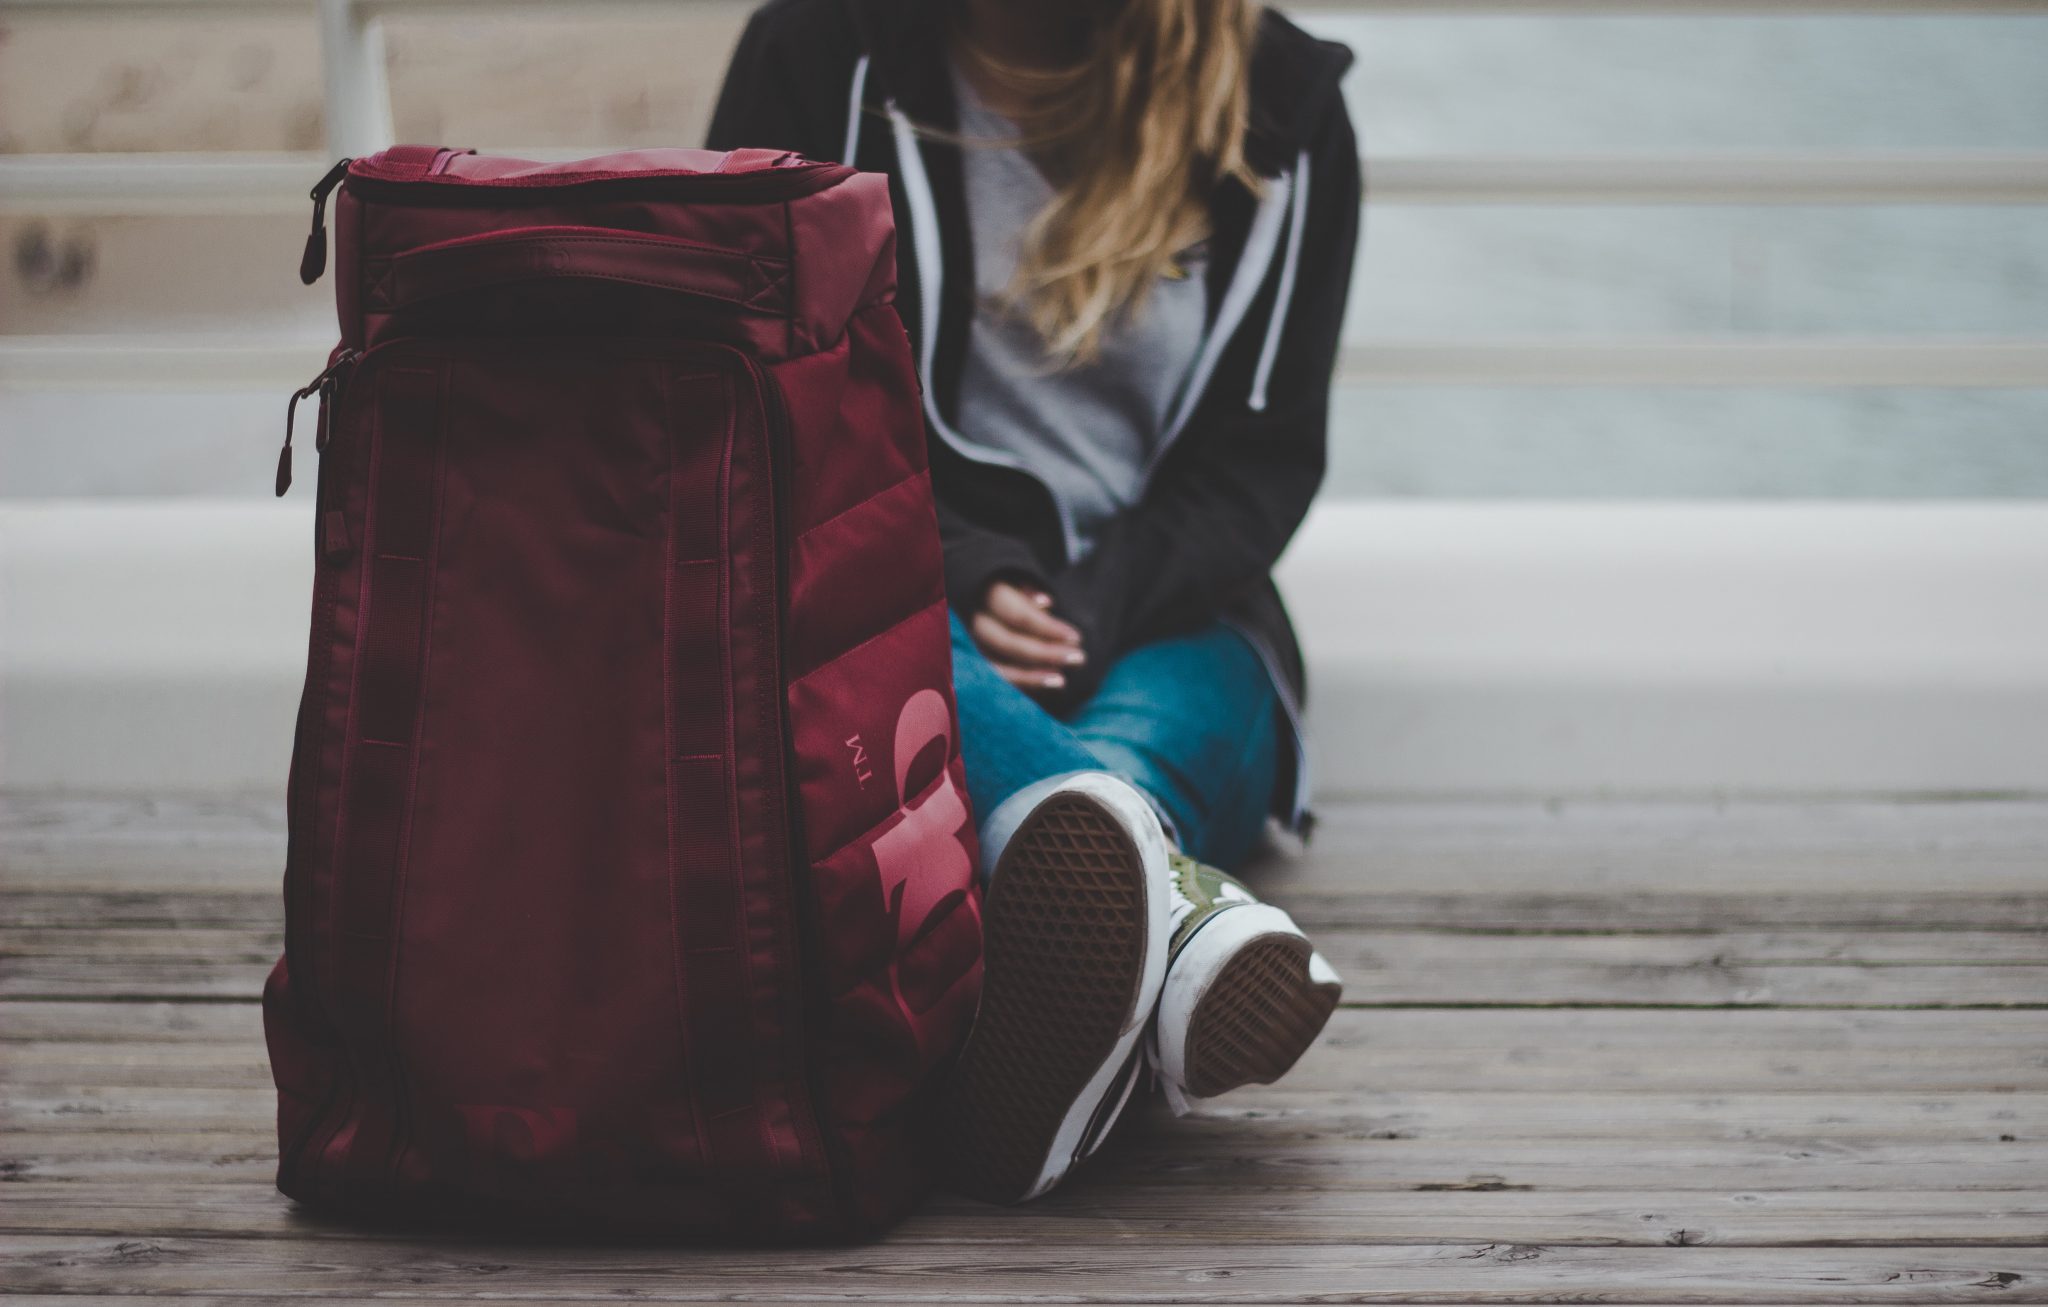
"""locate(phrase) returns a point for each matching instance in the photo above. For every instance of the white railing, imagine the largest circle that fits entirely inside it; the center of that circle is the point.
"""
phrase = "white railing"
(69, 363)
(256, 182)
(358, 118)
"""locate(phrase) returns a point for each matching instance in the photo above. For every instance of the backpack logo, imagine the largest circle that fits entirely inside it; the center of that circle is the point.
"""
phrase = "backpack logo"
(921, 858)
(924, 863)
(862, 772)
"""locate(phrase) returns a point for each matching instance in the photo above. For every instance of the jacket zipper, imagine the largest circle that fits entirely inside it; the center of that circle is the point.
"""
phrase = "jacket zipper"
(1255, 262)
(929, 254)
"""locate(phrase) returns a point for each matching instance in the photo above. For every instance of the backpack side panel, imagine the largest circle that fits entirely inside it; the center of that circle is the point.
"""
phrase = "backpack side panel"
(876, 735)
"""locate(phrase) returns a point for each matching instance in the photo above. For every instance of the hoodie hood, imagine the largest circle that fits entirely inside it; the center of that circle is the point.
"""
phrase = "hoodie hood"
(1294, 76)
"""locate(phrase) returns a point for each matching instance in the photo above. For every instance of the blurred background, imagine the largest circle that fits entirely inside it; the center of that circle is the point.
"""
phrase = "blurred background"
(1691, 434)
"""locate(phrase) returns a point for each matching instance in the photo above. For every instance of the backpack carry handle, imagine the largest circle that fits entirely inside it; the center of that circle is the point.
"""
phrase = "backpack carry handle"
(474, 263)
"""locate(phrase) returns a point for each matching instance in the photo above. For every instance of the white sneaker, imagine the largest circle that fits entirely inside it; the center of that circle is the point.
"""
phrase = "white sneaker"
(1245, 994)
(1076, 926)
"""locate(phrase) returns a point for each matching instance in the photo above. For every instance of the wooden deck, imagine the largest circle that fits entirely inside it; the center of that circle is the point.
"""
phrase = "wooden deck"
(1616, 1053)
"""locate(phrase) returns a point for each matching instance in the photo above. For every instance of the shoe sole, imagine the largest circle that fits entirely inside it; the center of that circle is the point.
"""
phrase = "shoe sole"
(1257, 1017)
(1069, 927)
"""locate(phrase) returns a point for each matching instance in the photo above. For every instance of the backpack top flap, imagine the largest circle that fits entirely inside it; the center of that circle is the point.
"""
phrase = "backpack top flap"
(764, 249)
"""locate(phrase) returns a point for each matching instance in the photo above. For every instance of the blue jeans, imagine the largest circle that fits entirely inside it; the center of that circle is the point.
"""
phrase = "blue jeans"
(1191, 721)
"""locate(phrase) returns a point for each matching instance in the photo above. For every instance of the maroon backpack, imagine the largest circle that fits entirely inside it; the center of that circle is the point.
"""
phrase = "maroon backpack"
(630, 880)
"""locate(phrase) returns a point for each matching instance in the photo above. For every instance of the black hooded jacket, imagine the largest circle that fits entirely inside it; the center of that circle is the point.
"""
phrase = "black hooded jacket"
(848, 80)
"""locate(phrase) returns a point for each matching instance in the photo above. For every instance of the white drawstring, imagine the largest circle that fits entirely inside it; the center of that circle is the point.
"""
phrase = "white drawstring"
(931, 272)
(1254, 264)
(1284, 296)
(924, 245)
(853, 99)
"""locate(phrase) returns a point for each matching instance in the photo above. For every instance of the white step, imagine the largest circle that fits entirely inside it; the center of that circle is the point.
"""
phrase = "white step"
(1455, 647)
(1682, 648)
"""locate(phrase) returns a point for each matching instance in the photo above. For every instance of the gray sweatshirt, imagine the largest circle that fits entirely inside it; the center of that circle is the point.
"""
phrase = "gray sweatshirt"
(1088, 430)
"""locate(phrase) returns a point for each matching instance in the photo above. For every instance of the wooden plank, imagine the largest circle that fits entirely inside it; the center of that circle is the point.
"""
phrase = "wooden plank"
(1803, 1115)
(226, 944)
(1276, 1150)
(404, 1300)
(147, 909)
(1590, 848)
(1440, 1153)
(1706, 1049)
(1957, 969)
(1134, 1272)
(1251, 1152)
(1679, 1050)
(1594, 848)
(239, 979)
(1107, 1213)
(149, 1108)
(1424, 946)
(1202, 1135)
(1360, 908)
(1735, 948)
(81, 842)
(1879, 969)
(156, 1022)
(1784, 1117)
(1697, 909)
(85, 1064)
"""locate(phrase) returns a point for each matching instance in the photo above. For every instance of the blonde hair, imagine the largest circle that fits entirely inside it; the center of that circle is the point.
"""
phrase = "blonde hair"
(1133, 137)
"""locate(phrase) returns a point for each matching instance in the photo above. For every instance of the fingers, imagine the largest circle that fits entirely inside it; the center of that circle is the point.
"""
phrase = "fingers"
(1005, 644)
(1028, 679)
(1026, 644)
(1025, 611)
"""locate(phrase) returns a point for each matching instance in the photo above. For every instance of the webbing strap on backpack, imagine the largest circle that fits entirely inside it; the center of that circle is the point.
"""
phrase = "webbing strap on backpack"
(710, 924)
(382, 743)
(418, 160)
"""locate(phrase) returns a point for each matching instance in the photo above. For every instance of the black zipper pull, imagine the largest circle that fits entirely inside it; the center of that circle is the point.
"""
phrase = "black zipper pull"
(327, 385)
(314, 261)
(284, 456)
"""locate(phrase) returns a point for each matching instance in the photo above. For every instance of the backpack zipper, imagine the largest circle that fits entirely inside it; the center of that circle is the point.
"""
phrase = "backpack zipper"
(786, 179)
(328, 386)
(782, 182)
(331, 544)
(314, 261)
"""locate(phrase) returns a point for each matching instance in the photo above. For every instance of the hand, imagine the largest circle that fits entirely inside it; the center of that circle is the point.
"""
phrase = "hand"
(1023, 640)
